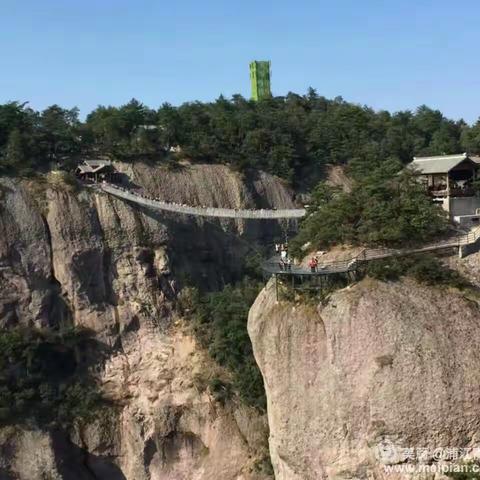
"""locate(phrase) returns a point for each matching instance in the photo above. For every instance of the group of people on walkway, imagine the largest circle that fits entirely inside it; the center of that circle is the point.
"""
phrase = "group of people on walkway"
(285, 262)
(146, 197)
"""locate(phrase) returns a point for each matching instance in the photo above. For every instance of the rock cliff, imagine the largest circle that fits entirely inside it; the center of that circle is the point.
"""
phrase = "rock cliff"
(71, 256)
(378, 364)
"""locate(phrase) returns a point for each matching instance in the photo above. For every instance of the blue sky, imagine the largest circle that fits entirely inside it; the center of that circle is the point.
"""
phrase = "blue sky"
(388, 54)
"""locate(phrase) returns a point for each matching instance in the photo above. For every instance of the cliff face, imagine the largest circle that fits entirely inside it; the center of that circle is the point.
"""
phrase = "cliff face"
(379, 364)
(25, 259)
(106, 262)
(74, 257)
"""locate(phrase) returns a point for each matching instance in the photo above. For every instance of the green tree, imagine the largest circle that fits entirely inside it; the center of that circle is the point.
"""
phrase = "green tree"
(219, 321)
(15, 116)
(470, 138)
(385, 207)
(58, 131)
(170, 126)
(105, 125)
(15, 153)
(293, 136)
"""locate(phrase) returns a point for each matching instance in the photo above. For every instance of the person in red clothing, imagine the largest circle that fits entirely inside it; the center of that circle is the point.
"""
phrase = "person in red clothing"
(313, 263)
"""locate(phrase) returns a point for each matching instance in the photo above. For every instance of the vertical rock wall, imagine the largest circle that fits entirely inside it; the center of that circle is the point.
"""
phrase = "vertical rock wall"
(393, 364)
(74, 257)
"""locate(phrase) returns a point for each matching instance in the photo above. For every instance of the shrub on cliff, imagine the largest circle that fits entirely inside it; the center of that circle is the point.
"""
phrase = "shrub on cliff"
(424, 268)
(466, 470)
(41, 378)
(219, 321)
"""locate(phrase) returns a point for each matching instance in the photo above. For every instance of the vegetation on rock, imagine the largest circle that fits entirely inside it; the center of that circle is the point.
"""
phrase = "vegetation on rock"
(42, 379)
(385, 206)
(425, 268)
(219, 320)
(469, 470)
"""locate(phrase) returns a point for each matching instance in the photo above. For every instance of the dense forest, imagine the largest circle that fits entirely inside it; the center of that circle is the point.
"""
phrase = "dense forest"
(291, 136)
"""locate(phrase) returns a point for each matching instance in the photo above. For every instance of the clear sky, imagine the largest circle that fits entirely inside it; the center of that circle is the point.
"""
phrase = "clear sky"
(388, 54)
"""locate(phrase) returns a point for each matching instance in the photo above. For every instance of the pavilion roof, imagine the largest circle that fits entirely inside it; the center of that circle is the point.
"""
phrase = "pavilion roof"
(438, 164)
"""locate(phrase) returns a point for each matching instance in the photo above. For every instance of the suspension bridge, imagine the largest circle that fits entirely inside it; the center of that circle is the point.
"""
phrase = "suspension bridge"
(464, 243)
(260, 214)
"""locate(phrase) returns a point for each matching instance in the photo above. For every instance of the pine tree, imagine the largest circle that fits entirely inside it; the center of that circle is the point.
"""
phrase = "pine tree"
(15, 154)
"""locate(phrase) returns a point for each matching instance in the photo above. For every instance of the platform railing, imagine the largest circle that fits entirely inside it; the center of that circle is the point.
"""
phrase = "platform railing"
(367, 255)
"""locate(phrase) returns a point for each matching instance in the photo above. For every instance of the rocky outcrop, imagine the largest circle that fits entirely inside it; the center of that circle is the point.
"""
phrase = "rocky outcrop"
(170, 427)
(108, 262)
(468, 267)
(162, 424)
(76, 257)
(378, 364)
(25, 259)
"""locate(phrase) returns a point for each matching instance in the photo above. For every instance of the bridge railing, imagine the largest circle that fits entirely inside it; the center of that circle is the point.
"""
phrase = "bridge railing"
(264, 214)
(472, 236)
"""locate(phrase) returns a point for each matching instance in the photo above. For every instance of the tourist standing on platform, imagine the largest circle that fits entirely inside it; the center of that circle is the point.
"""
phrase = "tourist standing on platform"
(288, 264)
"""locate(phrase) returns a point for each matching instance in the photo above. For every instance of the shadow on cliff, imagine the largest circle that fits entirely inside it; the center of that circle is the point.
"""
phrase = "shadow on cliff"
(47, 376)
(75, 463)
(125, 181)
(204, 253)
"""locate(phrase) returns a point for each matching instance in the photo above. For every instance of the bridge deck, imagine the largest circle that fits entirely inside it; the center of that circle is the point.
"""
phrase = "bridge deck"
(262, 214)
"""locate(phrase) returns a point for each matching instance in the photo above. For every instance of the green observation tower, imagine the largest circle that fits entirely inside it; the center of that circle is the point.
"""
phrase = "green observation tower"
(260, 78)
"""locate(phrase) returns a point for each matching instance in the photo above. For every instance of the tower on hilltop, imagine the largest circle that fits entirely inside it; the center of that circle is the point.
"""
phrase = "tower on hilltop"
(260, 79)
